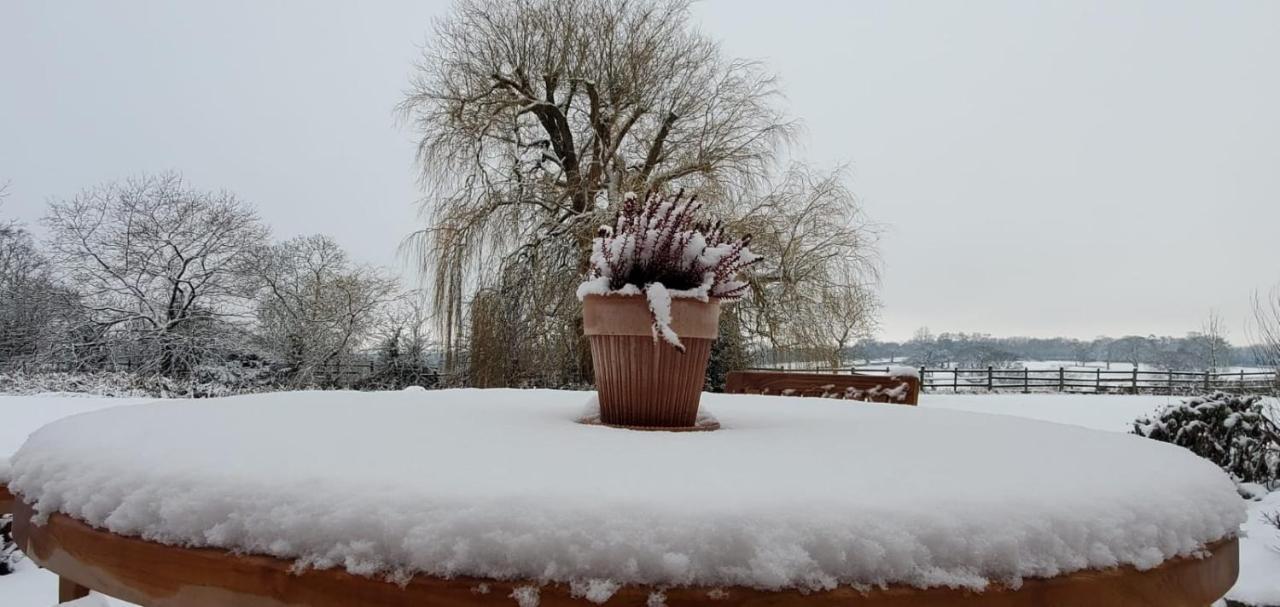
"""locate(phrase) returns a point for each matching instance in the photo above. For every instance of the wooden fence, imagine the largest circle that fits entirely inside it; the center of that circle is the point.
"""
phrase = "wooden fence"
(1081, 380)
(936, 380)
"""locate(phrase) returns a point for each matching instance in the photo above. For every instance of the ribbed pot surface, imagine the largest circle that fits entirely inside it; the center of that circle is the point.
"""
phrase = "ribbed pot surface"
(643, 382)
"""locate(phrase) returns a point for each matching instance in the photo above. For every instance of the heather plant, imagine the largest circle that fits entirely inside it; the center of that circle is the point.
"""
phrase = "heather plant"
(660, 249)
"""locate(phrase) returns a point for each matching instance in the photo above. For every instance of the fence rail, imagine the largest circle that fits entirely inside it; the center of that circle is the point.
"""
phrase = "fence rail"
(1078, 380)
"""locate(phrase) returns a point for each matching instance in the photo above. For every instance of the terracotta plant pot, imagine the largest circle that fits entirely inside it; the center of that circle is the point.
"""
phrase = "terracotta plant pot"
(645, 382)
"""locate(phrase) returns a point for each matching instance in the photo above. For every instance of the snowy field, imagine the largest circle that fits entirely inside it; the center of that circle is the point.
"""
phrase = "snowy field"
(1260, 575)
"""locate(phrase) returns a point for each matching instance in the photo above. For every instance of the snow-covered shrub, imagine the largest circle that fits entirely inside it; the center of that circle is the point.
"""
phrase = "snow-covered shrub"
(102, 383)
(9, 555)
(1234, 431)
(728, 353)
(661, 250)
(126, 385)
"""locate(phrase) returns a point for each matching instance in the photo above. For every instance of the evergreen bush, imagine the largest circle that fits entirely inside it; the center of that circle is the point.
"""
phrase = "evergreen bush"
(1235, 431)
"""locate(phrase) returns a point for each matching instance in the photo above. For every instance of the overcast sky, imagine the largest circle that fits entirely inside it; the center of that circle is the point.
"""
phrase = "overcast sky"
(1076, 168)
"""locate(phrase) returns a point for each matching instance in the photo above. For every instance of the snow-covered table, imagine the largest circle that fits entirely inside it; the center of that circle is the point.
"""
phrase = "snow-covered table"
(483, 496)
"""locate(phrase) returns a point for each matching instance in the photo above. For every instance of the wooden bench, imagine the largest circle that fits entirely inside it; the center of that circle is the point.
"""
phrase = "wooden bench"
(6, 500)
(900, 390)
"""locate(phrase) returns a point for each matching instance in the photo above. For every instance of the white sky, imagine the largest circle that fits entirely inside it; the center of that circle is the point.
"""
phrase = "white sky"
(1073, 168)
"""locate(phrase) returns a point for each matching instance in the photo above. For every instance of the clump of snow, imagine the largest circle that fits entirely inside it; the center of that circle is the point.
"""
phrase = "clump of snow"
(526, 596)
(904, 371)
(660, 305)
(596, 591)
(803, 493)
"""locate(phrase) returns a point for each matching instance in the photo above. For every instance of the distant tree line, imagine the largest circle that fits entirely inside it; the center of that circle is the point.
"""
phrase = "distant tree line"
(1205, 350)
(152, 276)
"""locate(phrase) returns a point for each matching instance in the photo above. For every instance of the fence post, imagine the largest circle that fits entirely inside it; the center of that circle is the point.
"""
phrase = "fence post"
(1026, 381)
(1135, 379)
(990, 381)
(1062, 379)
(922, 376)
(955, 380)
(1170, 381)
(1097, 382)
(1206, 381)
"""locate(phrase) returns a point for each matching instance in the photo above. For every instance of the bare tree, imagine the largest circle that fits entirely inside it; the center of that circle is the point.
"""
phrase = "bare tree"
(34, 310)
(1083, 351)
(159, 266)
(536, 116)
(404, 344)
(1265, 331)
(406, 320)
(1133, 349)
(6, 225)
(845, 315)
(315, 305)
(852, 313)
(1214, 347)
(924, 349)
(815, 287)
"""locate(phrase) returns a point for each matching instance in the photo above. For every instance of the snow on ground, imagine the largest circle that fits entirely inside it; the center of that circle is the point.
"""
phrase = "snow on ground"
(1097, 411)
(754, 504)
(30, 586)
(1259, 582)
(1260, 563)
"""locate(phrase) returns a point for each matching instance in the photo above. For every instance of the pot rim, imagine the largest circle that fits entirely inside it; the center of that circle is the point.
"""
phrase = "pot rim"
(618, 314)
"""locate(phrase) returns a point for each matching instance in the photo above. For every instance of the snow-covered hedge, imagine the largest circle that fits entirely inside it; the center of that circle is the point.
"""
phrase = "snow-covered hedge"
(661, 250)
(206, 382)
(129, 385)
(1236, 432)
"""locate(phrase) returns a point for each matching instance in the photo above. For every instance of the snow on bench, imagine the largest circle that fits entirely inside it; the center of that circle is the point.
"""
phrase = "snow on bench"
(898, 389)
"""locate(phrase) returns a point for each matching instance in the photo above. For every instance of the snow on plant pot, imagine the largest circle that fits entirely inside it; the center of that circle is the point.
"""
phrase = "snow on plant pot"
(651, 308)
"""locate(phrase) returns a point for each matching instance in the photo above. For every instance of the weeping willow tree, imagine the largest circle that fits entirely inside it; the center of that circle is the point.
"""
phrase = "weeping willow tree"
(536, 116)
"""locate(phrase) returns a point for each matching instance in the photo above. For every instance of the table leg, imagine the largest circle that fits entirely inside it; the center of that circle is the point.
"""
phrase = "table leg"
(70, 591)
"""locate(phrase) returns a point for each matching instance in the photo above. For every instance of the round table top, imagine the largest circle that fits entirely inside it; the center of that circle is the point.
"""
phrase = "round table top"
(805, 494)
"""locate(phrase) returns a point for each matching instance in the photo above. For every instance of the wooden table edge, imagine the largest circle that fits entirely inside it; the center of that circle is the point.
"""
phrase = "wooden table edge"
(158, 575)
